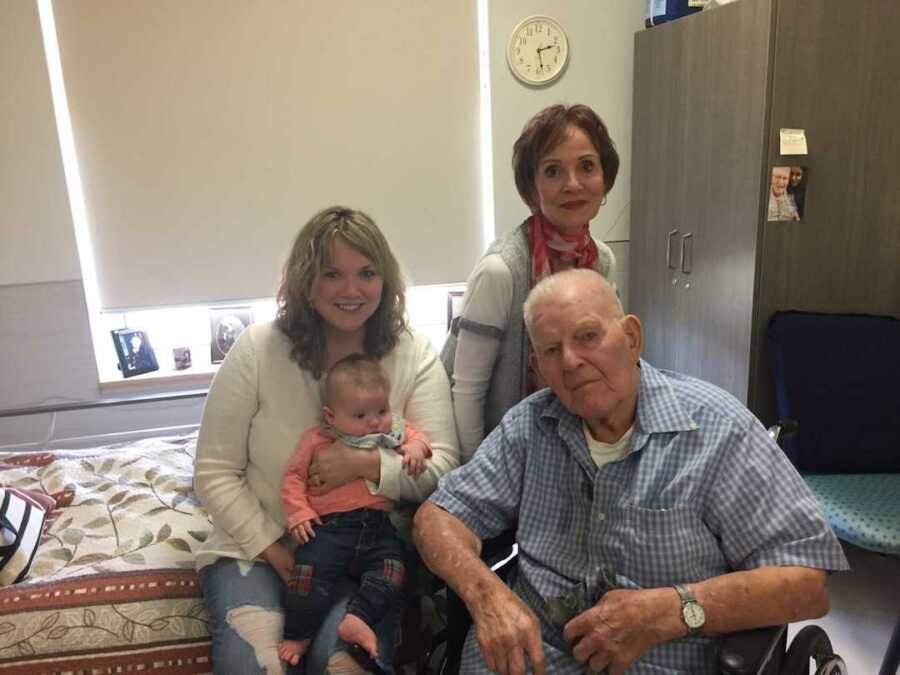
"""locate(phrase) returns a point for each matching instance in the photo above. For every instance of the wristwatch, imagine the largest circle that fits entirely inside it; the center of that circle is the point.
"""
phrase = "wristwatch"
(691, 611)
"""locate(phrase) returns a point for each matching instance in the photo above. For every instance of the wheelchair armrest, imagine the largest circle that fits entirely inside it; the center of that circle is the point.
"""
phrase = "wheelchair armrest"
(747, 652)
(783, 427)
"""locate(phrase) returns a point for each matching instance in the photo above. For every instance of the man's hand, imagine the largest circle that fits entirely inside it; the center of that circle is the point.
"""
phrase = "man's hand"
(623, 626)
(507, 631)
(303, 532)
(281, 559)
(414, 457)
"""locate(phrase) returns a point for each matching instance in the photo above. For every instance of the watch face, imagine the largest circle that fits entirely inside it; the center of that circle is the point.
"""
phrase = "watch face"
(538, 50)
(693, 614)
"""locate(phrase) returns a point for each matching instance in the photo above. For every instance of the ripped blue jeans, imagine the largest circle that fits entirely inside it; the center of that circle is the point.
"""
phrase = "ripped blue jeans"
(247, 622)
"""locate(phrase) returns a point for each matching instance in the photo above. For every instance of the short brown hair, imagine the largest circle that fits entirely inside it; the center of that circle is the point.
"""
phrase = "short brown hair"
(361, 370)
(311, 253)
(545, 131)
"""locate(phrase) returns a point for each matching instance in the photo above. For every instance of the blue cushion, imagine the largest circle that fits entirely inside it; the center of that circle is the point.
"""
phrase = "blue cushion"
(863, 509)
(838, 376)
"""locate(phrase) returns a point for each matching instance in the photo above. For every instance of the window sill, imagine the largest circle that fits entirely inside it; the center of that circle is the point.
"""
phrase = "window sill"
(170, 379)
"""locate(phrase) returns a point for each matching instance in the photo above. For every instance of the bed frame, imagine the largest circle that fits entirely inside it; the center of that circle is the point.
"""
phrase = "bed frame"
(55, 408)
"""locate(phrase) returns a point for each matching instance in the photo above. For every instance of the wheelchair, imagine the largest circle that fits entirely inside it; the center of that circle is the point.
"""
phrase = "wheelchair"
(760, 651)
(840, 423)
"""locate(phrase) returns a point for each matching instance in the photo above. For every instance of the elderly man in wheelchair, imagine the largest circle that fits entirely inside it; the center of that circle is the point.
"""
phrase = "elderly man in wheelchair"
(652, 511)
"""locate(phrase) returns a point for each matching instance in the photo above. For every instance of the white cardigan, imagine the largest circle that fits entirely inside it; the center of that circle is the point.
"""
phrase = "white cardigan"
(260, 403)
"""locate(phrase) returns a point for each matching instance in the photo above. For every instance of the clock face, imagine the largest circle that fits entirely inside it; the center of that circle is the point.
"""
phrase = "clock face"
(694, 615)
(537, 50)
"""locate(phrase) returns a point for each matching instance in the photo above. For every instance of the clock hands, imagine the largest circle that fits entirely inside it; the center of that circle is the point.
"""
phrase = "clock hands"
(539, 50)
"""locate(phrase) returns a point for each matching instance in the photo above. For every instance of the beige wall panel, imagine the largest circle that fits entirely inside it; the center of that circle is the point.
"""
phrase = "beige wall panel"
(37, 243)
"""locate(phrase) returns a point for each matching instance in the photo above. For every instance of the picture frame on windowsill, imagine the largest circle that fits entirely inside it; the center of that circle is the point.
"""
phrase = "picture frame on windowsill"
(225, 325)
(133, 349)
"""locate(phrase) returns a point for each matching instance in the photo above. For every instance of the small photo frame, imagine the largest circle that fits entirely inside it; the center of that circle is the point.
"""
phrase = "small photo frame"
(134, 351)
(225, 324)
(454, 306)
(182, 357)
(787, 193)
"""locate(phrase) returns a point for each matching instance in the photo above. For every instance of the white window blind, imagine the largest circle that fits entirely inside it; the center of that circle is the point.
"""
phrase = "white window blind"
(208, 132)
(37, 243)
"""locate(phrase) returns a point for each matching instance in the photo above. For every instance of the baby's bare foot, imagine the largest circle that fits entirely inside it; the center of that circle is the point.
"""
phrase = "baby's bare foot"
(292, 650)
(355, 631)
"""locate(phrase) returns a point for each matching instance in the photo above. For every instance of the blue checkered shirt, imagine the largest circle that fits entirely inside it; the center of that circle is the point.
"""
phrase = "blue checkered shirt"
(703, 491)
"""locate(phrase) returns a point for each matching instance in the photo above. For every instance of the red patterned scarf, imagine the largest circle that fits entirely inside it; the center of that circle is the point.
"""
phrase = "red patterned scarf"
(551, 249)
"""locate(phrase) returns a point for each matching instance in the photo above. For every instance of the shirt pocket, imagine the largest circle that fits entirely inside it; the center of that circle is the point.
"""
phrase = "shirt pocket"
(663, 546)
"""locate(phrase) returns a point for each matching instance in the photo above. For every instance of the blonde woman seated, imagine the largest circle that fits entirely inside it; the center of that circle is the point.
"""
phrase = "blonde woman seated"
(341, 293)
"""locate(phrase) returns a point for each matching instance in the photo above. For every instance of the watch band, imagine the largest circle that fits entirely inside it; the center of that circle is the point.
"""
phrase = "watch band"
(685, 594)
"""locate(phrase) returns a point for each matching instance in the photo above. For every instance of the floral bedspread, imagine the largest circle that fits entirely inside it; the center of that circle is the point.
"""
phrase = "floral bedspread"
(113, 586)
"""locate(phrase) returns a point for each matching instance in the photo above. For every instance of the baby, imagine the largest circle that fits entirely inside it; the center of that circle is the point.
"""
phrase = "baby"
(353, 535)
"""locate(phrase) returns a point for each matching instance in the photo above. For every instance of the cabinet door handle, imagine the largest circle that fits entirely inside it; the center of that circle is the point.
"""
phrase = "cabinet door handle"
(687, 258)
(669, 264)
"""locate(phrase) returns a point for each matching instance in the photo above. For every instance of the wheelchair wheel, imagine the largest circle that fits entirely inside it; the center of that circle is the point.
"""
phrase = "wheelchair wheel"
(812, 643)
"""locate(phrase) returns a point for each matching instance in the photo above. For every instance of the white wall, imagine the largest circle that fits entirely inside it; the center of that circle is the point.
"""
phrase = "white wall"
(599, 74)
(46, 356)
(37, 242)
(45, 346)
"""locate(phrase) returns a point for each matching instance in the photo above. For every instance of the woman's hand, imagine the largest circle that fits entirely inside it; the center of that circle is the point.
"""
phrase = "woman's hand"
(339, 464)
(281, 559)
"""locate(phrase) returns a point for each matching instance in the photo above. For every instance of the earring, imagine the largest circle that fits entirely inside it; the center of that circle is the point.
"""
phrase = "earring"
(603, 201)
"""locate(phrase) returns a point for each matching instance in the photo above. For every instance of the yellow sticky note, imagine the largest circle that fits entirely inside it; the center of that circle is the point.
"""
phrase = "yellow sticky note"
(793, 142)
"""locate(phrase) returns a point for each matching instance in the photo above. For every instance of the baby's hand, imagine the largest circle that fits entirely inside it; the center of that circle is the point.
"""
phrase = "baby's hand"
(303, 532)
(414, 457)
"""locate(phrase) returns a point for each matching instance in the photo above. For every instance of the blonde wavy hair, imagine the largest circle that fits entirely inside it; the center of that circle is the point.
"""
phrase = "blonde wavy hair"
(311, 253)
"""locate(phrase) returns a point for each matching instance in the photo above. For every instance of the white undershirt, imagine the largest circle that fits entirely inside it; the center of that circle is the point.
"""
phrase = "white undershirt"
(604, 453)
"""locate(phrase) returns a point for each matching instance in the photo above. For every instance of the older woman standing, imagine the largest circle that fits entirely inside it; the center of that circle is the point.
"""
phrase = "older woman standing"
(341, 293)
(564, 164)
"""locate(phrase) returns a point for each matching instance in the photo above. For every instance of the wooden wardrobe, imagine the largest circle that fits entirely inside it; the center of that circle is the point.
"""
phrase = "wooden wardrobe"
(711, 92)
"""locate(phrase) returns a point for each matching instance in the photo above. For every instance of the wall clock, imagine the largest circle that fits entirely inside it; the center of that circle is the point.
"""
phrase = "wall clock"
(538, 50)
